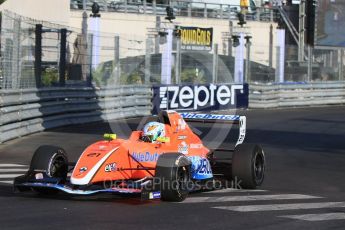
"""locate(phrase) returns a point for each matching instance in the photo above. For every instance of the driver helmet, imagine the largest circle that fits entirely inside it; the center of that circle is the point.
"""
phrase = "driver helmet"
(152, 131)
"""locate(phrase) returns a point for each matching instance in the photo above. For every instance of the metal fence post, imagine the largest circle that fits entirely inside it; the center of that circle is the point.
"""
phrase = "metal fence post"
(310, 64)
(154, 3)
(84, 45)
(221, 11)
(16, 77)
(158, 25)
(145, 6)
(178, 61)
(62, 63)
(148, 61)
(205, 10)
(1, 64)
(258, 13)
(301, 31)
(0, 34)
(89, 79)
(117, 67)
(38, 55)
(230, 38)
(189, 10)
(229, 12)
(215, 64)
(248, 45)
(341, 64)
(277, 74)
(270, 57)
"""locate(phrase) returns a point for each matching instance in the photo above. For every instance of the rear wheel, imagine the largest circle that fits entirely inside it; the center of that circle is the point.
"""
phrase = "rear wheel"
(173, 173)
(52, 162)
(248, 166)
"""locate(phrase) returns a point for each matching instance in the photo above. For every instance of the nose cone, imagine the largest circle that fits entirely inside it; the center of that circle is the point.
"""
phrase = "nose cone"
(91, 160)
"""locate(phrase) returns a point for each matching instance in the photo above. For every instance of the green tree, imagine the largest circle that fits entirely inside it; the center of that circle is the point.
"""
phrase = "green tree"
(2, 1)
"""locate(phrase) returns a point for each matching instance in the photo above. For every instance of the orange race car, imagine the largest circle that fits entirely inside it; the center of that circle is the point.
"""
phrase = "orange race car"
(165, 160)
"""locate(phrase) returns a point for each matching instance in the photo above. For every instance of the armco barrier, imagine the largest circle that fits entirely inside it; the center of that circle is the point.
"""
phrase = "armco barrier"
(263, 96)
(30, 110)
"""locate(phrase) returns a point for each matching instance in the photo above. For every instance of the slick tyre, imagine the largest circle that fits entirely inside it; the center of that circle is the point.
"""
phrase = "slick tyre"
(248, 166)
(173, 174)
(53, 162)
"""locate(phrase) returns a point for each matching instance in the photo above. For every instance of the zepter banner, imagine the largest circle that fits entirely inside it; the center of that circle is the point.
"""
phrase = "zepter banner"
(205, 97)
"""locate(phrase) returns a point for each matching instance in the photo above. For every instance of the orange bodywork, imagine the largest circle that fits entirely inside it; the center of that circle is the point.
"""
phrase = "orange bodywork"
(125, 159)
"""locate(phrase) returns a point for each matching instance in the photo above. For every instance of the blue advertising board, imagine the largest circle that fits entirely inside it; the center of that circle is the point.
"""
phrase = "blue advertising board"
(203, 97)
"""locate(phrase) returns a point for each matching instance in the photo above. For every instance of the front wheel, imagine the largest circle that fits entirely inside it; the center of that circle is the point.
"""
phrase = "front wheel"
(53, 162)
(173, 173)
(248, 166)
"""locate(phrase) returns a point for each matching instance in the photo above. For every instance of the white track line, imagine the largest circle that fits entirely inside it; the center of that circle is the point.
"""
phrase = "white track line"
(235, 190)
(248, 198)
(12, 170)
(280, 207)
(9, 175)
(6, 181)
(12, 165)
(318, 217)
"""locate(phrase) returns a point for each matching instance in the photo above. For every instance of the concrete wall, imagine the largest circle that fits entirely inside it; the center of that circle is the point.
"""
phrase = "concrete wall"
(54, 11)
(136, 27)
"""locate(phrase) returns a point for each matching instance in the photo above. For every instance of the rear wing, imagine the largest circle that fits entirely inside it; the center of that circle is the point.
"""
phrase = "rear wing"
(219, 118)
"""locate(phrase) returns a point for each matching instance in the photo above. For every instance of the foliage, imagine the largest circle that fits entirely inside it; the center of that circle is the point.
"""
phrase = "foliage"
(191, 76)
(50, 76)
(135, 77)
(104, 74)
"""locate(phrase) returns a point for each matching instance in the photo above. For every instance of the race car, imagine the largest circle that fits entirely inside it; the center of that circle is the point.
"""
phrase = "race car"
(165, 160)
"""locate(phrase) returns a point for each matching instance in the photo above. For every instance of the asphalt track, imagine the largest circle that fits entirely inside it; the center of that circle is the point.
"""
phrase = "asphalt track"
(304, 186)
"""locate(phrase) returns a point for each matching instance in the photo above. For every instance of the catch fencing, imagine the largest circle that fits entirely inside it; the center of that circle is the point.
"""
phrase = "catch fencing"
(29, 111)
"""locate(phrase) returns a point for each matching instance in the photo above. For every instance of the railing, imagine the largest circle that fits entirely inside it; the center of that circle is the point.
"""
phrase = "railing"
(264, 96)
(181, 8)
(30, 110)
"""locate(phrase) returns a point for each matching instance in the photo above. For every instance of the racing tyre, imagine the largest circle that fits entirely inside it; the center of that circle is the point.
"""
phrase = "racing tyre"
(53, 161)
(173, 173)
(248, 166)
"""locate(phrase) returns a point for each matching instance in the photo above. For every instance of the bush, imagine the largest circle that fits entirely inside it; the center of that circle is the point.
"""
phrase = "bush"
(50, 76)
(190, 76)
(133, 78)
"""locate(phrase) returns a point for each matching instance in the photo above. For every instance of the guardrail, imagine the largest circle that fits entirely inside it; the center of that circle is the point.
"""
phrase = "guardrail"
(182, 8)
(262, 96)
(29, 111)
(32, 110)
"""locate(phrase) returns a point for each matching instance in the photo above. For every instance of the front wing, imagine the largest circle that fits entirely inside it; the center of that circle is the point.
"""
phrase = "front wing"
(21, 184)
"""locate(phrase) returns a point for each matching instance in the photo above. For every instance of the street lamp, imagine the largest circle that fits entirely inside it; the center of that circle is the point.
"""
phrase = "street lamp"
(170, 14)
(236, 41)
(95, 10)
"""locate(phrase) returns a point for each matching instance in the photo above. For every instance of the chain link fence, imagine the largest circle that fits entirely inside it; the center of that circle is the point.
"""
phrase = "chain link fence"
(106, 59)
(17, 52)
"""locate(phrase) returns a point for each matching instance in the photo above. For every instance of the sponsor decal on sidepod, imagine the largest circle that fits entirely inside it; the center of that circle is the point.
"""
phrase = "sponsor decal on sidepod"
(145, 157)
